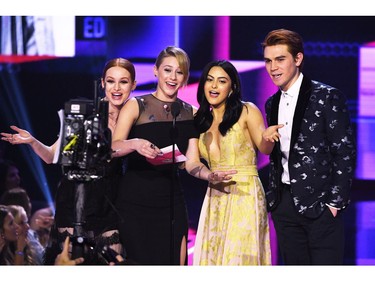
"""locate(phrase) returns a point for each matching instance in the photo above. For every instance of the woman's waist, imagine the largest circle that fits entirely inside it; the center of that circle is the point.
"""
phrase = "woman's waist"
(249, 170)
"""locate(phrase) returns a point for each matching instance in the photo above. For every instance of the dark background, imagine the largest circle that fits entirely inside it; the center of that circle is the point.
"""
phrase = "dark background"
(331, 56)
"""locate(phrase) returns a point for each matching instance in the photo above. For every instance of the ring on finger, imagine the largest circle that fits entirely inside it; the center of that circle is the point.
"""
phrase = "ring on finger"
(152, 146)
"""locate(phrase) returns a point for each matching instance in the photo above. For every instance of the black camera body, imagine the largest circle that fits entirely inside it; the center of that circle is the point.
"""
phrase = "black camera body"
(84, 153)
(85, 140)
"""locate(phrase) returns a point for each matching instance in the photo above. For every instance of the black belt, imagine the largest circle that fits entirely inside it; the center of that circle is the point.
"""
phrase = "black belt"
(285, 186)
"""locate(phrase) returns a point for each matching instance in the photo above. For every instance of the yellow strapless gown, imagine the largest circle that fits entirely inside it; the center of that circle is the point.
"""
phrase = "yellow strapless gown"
(233, 228)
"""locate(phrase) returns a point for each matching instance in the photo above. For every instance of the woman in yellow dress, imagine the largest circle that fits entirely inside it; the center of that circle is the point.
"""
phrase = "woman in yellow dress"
(233, 226)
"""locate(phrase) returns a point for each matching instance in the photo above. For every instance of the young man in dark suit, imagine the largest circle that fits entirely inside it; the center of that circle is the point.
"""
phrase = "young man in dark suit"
(313, 162)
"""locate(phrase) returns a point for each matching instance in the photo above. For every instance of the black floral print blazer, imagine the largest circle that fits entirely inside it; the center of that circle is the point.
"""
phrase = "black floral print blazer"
(322, 150)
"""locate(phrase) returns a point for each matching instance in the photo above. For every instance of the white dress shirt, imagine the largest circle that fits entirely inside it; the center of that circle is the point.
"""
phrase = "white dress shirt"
(287, 106)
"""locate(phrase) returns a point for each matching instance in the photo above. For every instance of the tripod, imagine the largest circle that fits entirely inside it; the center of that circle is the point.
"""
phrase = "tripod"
(78, 232)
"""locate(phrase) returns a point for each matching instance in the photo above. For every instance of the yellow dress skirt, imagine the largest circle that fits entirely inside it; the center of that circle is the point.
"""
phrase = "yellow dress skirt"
(233, 227)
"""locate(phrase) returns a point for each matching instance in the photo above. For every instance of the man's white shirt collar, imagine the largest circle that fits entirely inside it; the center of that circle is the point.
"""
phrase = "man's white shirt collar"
(294, 90)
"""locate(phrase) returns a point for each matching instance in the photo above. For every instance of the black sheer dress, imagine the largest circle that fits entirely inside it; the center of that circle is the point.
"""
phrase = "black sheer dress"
(145, 192)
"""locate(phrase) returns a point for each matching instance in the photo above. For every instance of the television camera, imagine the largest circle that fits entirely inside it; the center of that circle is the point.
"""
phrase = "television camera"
(85, 140)
(84, 151)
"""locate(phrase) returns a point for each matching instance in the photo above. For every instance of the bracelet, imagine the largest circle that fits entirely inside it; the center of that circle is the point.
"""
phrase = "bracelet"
(19, 253)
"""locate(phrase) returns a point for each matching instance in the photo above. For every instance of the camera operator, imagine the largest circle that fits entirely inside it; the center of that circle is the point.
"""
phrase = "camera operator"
(108, 255)
(100, 224)
(64, 258)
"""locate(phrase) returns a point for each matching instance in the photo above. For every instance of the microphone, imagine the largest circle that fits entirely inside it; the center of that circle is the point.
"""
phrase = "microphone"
(175, 110)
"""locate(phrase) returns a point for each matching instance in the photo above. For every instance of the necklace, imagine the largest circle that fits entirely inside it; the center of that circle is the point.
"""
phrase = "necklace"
(166, 109)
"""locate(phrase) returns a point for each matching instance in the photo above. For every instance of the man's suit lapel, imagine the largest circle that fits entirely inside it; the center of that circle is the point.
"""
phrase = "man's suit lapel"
(303, 99)
(275, 109)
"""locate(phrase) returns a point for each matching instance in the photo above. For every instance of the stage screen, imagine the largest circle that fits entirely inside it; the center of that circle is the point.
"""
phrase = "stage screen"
(37, 36)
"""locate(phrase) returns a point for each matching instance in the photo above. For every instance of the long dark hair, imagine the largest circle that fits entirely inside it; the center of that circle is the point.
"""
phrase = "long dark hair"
(233, 105)
(6, 256)
(3, 213)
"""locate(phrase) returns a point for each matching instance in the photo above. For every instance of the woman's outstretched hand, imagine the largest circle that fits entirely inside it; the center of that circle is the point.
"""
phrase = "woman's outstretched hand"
(219, 180)
(22, 136)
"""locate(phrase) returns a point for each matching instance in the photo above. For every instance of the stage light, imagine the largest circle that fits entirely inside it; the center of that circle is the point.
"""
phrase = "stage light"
(13, 106)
